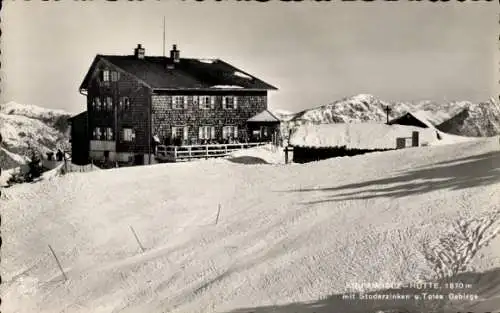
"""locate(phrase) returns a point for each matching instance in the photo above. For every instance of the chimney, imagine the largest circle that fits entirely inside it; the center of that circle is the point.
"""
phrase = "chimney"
(139, 52)
(174, 54)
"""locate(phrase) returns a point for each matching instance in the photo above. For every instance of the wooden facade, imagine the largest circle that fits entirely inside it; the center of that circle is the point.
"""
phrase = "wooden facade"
(79, 139)
(193, 115)
(134, 106)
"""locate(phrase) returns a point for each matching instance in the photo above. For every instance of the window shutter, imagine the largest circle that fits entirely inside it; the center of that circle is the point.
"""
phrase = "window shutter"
(174, 101)
(174, 132)
(185, 102)
(200, 133)
(212, 132)
(212, 102)
(235, 102)
(224, 102)
(235, 132)
(185, 135)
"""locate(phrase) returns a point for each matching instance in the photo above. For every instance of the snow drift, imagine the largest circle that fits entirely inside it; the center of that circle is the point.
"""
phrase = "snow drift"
(267, 154)
(288, 238)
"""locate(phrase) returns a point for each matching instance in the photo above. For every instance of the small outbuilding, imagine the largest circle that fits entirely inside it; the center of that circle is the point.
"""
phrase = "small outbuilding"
(416, 119)
(317, 142)
(264, 126)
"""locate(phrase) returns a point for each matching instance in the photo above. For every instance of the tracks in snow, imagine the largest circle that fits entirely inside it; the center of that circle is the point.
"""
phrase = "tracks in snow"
(451, 254)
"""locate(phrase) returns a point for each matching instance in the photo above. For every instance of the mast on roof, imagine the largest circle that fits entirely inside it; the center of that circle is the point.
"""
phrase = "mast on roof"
(164, 36)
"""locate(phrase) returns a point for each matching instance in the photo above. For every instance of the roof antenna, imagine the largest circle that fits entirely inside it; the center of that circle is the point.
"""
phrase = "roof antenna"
(163, 36)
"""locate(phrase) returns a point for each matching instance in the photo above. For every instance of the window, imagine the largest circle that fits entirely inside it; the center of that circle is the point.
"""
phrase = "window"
(124, 103)
(109, 134)
(96, 104)
(115, 76)
(207, 102)
(103, 133)
(96, 135)
(229, 102)
(206, 132)
(180, 132)
(109, 104)
(128, 134)
(179, 102)
(105, 75)
(230, 132)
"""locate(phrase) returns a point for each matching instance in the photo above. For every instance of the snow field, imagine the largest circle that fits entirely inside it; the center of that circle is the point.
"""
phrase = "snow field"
(286, 233)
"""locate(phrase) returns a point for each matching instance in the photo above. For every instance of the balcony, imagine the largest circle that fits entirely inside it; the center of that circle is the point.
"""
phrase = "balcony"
(186, 153)
(102, 145)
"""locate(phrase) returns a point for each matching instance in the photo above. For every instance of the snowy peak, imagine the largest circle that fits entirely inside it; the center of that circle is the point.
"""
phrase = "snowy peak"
(359, 108)
(481, 119)
(32, 111)
(24, 126)
(475, 120)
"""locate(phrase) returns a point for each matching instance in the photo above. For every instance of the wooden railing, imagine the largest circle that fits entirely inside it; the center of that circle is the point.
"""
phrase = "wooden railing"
(185, 153)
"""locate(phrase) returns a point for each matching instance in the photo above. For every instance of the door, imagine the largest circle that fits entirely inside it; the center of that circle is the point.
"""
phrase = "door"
(139, 159)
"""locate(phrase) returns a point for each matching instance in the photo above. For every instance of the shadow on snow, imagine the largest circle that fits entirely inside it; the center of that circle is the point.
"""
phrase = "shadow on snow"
(474, 171)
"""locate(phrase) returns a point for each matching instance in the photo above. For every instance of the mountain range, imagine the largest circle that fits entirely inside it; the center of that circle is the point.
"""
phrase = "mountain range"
(462, 118)
(23, 126)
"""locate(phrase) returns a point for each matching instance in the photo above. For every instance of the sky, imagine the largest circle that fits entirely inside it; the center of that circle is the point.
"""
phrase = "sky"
(313, 52)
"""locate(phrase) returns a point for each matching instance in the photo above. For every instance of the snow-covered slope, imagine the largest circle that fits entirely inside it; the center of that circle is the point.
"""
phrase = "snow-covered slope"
(23, 126)
(288, 238)
(483, 120)
(10, 160)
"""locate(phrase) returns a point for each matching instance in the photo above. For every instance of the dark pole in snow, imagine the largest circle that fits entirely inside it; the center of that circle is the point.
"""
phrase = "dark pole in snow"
(137, 238)
(58, 263)
(217, 218)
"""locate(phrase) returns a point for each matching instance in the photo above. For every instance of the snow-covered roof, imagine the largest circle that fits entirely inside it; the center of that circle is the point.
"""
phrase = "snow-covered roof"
(420, 116)
(188, 73)
(356, 135)
(264, 116)
(226, 87)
